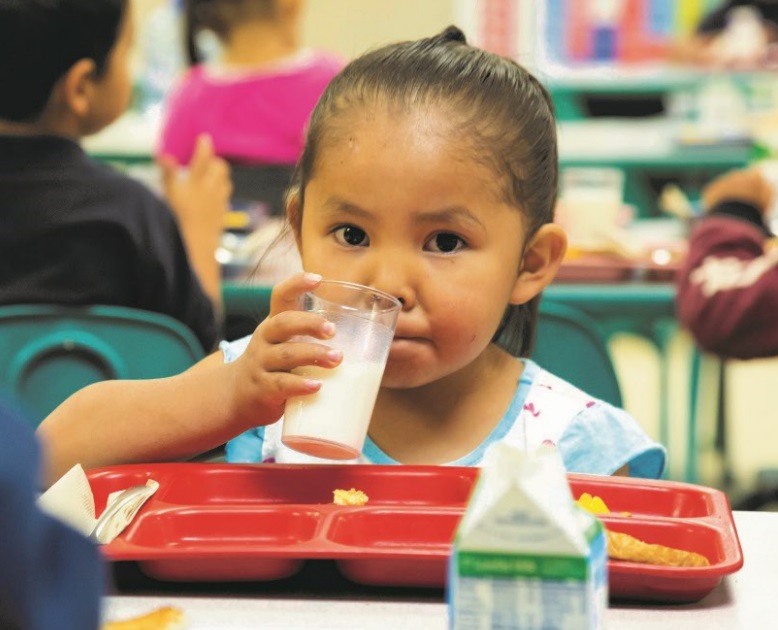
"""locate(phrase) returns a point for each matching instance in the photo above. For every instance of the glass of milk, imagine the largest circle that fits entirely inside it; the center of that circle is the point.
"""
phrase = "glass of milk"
(333, 422)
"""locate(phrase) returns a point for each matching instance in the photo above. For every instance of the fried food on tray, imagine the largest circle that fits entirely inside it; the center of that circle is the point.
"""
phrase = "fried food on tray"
(626, 547)
(349, 497)
(631, 549)
(166, 618)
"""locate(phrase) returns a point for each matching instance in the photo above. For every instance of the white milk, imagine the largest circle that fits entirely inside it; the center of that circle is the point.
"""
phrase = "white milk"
(333, 422)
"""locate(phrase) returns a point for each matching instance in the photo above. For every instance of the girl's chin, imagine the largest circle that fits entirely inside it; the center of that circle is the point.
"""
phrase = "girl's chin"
(402, 378)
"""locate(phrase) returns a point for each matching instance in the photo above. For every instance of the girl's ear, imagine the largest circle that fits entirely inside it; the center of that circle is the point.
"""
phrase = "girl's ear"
(542, 257)
(77, 87)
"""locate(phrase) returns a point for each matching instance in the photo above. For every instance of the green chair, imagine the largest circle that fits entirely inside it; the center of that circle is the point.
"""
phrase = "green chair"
(48, 352)
(569, 345)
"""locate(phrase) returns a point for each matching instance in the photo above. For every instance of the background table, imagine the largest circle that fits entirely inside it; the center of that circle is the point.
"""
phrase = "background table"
(742, 601)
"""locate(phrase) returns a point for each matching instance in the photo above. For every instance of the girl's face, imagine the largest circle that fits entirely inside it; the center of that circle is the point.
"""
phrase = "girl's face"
(397, 204)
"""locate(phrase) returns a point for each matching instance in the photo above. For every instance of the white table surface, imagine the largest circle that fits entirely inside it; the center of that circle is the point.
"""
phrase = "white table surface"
(744, 600)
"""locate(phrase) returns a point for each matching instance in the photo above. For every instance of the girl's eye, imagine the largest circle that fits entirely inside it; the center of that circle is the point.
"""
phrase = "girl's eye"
(445, 243)
(352, 236)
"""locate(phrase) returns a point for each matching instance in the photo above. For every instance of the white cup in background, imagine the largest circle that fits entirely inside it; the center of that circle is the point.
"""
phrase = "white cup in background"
(333, 422)
(591, 205)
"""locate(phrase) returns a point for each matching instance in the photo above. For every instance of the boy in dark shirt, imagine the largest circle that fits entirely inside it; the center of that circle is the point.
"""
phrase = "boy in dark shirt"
(73, 231)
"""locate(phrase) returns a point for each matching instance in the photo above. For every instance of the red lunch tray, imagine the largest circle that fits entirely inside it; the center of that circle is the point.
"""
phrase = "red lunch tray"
(229, 522)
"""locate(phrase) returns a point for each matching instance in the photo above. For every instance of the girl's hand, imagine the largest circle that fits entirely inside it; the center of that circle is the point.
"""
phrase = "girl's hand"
(262, 375)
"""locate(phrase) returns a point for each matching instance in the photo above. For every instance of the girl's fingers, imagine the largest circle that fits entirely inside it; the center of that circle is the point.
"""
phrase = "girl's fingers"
(289, 324)
(286, 385)
(296, 354)
(286, 293)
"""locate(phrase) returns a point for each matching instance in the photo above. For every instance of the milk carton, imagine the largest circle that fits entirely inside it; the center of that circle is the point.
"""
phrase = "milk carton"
(525, 556)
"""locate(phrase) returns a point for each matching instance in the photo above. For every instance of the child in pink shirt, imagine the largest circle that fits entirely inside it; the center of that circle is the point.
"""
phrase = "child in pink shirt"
(255, 101)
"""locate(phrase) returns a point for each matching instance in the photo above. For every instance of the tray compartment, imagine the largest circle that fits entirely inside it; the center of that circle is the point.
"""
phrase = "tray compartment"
(672, 500)
(389, 571)
(648, 582)
(397, 548)
(645, 587)
(247, 531)
(221, 568)
(406, 531)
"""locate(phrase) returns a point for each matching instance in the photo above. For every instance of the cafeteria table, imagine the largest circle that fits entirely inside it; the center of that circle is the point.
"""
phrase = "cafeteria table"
(743, 600)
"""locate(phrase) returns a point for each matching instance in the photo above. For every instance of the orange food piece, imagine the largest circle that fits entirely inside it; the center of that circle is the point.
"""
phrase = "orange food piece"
(595, 504)
(349, 497)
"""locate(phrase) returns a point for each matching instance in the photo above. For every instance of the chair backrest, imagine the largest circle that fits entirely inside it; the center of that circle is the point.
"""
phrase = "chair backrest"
(47, 352)
(569, 345)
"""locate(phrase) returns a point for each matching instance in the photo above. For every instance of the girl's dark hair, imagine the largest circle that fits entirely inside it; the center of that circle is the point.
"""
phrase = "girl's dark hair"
(40, 40)
(504, 118)
(219, 16)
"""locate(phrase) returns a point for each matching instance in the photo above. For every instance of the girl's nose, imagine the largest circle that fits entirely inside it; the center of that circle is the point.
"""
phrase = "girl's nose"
(405, 295)
(394, 279)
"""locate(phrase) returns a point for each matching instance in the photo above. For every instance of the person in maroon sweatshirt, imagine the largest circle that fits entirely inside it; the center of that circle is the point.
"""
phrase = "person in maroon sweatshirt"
(728, 285)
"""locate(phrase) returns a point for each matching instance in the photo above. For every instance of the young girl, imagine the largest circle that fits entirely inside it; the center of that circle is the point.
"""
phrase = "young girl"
(256, 100)
(430, 172)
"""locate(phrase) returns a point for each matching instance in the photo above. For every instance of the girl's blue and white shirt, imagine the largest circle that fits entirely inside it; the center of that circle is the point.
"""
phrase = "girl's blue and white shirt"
(592, 436)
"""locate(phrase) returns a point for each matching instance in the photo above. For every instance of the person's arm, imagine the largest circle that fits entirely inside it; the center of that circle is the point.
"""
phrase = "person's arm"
(114, 422)
(200, 199)
(175, 418)
(728, 285)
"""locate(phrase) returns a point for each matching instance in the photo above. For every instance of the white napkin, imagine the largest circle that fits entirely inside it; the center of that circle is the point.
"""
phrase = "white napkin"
(70, 500)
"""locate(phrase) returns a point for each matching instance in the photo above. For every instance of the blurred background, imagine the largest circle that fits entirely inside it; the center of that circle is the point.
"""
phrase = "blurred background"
(653, 100)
